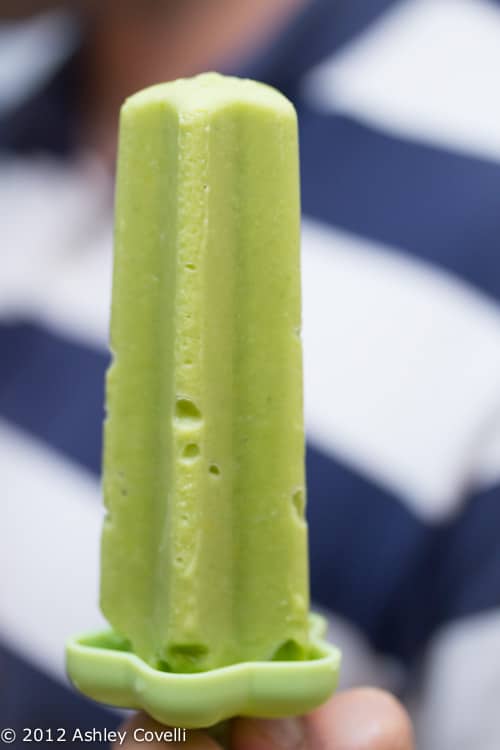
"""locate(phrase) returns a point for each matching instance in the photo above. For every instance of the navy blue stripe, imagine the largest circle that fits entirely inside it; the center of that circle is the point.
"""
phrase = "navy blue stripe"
(366, 548)
(469, 579)
(459, 576)
(372, 560)
(440, 206)
(317, 32)
(46, 121)
(29, 698)
(387, 571)
(53, 388)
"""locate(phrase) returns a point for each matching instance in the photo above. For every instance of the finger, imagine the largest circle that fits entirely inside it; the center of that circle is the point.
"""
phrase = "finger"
(266, 734)
(135, 736)
(361, 719)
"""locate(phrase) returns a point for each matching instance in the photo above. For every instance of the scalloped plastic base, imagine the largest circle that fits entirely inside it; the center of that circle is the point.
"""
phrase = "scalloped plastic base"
(101, 666)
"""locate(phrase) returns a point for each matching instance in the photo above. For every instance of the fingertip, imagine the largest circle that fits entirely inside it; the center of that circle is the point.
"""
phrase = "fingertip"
(362, 719)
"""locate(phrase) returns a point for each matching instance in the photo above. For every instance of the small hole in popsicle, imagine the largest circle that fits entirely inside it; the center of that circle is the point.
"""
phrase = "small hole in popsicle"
(186, 411)
(298, 499)
(191, 450)
(214, 470)
(190, 266)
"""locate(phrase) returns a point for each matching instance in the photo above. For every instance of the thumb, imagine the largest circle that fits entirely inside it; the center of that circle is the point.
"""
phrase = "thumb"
(362, 719)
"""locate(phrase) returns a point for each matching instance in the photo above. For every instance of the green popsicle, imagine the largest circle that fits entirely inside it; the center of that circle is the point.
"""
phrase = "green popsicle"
(204, 550)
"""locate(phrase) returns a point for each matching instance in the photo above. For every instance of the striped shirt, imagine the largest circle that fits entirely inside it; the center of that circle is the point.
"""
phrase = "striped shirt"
(399, 120)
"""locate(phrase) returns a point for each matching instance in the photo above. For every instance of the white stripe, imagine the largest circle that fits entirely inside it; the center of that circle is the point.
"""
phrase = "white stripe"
(427, 70)
(29, 53)
(361, 665)
(391, 385)
(51, 524)
(51, 521)
(456, 707)
(402, 366)
(487, 467)
(57, 246)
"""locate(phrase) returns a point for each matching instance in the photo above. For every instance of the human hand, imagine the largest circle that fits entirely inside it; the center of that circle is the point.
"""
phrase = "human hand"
(361, 719)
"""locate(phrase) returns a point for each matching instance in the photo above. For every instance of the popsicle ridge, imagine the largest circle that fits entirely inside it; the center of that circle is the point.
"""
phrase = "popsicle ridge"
(204, 549)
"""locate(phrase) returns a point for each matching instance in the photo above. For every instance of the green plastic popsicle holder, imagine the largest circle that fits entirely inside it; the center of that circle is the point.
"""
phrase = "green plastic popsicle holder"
(102, 666)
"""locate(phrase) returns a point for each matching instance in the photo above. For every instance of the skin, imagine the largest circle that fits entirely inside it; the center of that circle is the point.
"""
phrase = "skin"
(15, 10)
(361, 719)
(160, 41)
(151, 41)
(157, 40)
